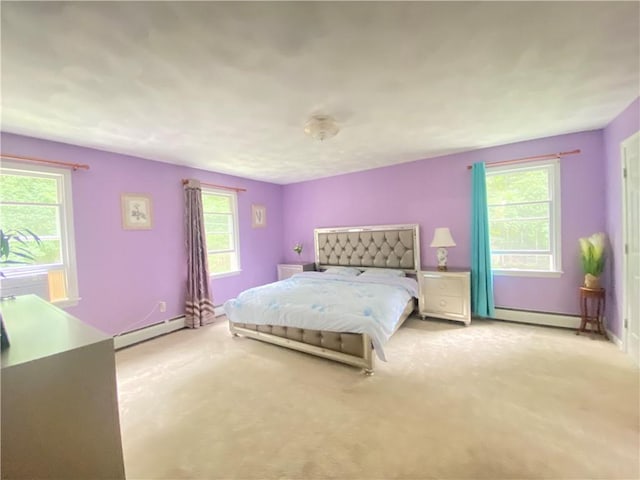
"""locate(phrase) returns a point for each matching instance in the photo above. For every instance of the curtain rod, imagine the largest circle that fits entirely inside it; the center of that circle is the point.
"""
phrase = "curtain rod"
(213, 185)
(537, 157)
(74, 166)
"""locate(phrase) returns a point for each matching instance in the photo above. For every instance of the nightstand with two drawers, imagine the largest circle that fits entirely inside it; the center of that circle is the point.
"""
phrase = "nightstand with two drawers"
(445, 294)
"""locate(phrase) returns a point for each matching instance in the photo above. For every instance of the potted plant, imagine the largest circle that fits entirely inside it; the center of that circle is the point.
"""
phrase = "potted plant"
(14, 243)
(592, 256)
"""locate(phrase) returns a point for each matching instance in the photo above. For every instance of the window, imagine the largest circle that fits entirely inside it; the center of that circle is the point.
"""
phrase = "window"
(39, 199)
(221, 227)
(524, 218)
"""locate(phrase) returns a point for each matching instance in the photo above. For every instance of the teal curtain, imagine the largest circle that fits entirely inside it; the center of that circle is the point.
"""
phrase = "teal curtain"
(481, 277)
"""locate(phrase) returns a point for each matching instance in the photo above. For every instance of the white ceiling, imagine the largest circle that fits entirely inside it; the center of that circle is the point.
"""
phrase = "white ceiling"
(229, 86)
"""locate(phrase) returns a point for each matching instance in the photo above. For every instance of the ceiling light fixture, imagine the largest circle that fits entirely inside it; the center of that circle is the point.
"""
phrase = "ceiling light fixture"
(321, 127)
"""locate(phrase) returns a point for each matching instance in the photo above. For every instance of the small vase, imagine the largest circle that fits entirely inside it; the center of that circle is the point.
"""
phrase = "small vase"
(591, 281)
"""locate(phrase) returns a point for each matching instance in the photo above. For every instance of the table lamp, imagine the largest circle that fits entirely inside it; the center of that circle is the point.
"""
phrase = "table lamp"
(441, 239)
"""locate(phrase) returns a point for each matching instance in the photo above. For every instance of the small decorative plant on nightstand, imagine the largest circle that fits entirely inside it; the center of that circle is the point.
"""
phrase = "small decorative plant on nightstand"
(592, 256)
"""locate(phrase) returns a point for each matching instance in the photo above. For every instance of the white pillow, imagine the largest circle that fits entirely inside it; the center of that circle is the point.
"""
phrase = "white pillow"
(347, 271)
(383, 272)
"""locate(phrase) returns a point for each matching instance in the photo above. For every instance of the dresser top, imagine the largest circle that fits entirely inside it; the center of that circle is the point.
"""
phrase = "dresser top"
(37, 329)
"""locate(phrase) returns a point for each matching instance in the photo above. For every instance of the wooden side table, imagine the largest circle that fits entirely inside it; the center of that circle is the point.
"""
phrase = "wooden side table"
(592, 303)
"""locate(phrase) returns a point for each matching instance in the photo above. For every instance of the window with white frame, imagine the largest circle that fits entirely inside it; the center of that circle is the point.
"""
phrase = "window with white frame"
(221, 228)
(524, 218)
(36, 213)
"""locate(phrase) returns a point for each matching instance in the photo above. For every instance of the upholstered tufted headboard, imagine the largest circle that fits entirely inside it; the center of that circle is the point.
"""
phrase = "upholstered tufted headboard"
(381, 246)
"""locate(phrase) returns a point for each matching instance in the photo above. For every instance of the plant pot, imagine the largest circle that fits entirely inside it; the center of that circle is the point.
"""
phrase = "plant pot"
(591, 281)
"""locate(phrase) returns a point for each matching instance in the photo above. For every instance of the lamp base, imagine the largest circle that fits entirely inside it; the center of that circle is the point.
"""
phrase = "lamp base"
(442, 259)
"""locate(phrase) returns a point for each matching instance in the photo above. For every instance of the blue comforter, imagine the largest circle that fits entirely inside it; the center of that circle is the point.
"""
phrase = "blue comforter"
(320, 301)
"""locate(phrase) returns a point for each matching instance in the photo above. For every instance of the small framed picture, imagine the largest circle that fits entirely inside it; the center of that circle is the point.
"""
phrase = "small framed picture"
(136, 211)
(258, 216)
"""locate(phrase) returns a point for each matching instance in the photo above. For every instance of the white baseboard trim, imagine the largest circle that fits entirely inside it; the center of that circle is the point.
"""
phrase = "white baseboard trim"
(538, 318)
(146, 333)
(218, 310)
(615, 339)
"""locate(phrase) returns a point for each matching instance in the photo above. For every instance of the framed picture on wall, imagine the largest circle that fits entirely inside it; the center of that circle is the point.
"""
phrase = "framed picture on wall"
(258, 216)
(136, 211)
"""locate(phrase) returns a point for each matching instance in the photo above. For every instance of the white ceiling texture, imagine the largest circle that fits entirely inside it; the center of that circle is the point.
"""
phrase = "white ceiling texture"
(229, 86)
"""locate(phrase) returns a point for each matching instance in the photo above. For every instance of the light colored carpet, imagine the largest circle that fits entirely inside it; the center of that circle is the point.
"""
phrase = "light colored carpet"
(490, 401)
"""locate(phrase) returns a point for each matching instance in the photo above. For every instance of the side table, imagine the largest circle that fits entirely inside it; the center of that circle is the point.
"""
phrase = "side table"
(592, 303)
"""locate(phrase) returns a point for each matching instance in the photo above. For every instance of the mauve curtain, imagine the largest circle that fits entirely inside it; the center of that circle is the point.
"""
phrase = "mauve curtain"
(199, 307)
(482, 303)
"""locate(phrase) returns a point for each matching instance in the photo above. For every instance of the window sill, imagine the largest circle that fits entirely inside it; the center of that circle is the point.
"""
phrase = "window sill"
(233, 273)
(527, 273)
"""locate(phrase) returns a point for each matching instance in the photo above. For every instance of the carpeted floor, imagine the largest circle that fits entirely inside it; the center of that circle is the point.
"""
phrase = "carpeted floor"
(490, 401)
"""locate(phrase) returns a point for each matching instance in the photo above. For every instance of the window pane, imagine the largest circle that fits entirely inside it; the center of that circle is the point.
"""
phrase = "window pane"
(520, 235)
(214, 223)
(519, 212)
(219, 241)
(518, 186)
(47, 252)
(221, 262)
(221, 234)
(520, 227)
(19, 188)
(521, 262)
(216, 203)
(40, 220)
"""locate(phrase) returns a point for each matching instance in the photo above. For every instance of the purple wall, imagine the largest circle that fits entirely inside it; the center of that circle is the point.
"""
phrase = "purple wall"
(122, 274)
(621, 128)
(437, 192)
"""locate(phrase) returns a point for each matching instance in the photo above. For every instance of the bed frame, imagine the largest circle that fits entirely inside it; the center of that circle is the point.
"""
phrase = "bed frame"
(382, 246)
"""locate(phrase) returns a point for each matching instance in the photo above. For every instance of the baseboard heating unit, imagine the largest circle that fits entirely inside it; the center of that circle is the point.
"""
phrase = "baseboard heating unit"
(149, 332)
(538, 318)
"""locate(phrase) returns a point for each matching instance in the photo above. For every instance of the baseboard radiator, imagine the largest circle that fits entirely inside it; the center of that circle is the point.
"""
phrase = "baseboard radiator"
(149, 332)
(155, 330)
(538, 318)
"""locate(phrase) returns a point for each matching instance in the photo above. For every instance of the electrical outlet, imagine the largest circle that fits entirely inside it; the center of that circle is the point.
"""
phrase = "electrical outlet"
(163, 306)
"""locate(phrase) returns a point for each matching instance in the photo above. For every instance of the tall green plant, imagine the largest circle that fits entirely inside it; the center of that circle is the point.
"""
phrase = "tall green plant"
(15, 243)
(592, 253)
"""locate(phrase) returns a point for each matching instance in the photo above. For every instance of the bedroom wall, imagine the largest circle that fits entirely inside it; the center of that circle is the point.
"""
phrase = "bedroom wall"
(122, 274)
(621, 128)
(437, 192)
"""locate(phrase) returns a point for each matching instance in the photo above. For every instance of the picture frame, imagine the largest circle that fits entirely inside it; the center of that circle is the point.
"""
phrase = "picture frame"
(137, 211)
(258, 216)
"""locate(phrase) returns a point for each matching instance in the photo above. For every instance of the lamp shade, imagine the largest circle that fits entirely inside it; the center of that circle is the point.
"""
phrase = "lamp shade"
(442, 238)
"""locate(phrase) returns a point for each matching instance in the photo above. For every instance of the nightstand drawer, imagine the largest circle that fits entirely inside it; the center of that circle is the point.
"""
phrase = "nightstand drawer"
(452, 287)
(444, 304)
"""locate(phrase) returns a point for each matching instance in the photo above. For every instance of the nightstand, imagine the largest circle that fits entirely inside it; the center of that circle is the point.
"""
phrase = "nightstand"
(285, 270)
(445, 294)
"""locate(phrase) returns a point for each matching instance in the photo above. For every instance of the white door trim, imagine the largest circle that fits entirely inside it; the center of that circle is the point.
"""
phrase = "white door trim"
(625, 241)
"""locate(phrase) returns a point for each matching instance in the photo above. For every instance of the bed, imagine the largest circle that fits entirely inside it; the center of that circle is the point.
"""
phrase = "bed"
(330, 313)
